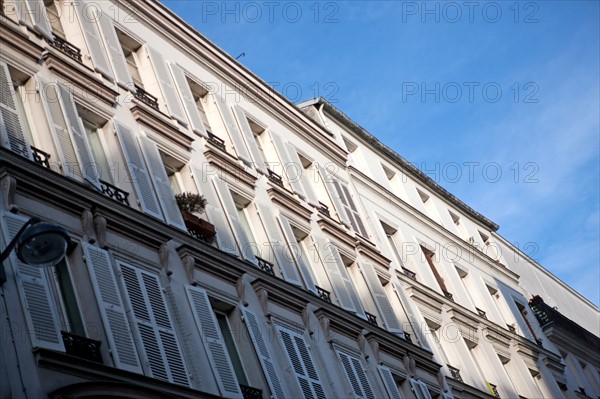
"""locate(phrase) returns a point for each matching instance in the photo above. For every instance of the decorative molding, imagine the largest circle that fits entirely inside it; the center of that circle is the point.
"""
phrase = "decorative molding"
(306, 320)
(263, 299)
(163, 253)
(280, 294)
(14, 40)
(189, 264)
(100, 224)
(338, 231)
(376, 353)
(289, 203)
(362, 343)
(240, 288)
(87, 226)
(229, 168)
(326, 326)
(9, 187)
(161, 124)
(410, 365)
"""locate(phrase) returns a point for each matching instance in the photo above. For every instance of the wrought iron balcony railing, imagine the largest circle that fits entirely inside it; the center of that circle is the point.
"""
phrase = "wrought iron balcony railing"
(265, 266)
(324, 209)
(82, 347)
(481, 313)
(494, 389)
(323, 294)
(511, 328)
(66, 47)
(371, 318)
(455, 373)
(250, 392)
(448, 295)
(216, 141)
(409, 273)
(114, 192)
(275, 178)
(407, 337)
(145, 97)
(40, 157)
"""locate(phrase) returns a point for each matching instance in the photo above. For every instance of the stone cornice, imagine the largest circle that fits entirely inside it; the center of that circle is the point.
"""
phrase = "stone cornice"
(367, 249)
(336, 231)
(281, 295)
(13, 39)
(160, 124)
(231, 169)
(289, 203)
(213, 261)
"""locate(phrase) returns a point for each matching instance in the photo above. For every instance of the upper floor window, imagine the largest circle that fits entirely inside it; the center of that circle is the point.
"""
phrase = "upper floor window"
(54, 10)
(130, 48)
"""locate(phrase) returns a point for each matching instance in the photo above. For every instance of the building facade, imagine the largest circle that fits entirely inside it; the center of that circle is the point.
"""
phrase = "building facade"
(324, 264)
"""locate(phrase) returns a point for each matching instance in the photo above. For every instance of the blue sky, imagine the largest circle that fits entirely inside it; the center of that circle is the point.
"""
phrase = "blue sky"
(510, 88)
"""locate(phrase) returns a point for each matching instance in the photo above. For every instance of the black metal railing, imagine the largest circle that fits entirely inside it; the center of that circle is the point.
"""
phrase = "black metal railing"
(40, 157)
(275, 178)
(481, 313)
(82, 347)
(409, 273)
(455, 373)
(323, 294)
(114, 192)
(448, 295)
(216, 141)
(324, 209)
(250, 392)
(511, 328)
(407, 337)
(145, 97)
(265, 266)
(494, 389)
(371, 318)
(66, 47)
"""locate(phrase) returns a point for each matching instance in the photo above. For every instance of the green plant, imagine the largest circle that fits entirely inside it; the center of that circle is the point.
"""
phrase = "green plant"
(190, 202)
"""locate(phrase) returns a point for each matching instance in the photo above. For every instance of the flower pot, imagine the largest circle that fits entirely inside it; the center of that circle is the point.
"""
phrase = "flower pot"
(198, 227)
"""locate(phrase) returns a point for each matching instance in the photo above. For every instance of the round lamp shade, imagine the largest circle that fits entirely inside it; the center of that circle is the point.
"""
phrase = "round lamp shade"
(43, 245)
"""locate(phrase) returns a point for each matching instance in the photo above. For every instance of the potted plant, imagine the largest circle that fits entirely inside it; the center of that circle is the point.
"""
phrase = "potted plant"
(190, 204)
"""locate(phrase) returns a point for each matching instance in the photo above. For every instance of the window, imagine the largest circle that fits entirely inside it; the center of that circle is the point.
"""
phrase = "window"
(523, 312)
(392, 382)
(232, 351)
(257, 132)
(54, 11)
(201, 98)
(243, 207)
(94, 130)
(384, 306)
(460, 227)
(349, 207)
(65, 299)
(14, 131)
(130, 49)
(420, 389)
(430, 258)
(357, 377)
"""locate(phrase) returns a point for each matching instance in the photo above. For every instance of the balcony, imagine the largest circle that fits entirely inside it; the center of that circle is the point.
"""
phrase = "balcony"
(216, 141)
(66, 47)
(114, 192)
(40, 157)
(250, 393)
(407, 337)
(275, 178)
(371, 318)
(198, 228)
(324, 209)
(145, 97)
(81, 347)
(323, 294)
(265, 266)
(481, 313)
(448, 295)
(409, 273)
(455, 373)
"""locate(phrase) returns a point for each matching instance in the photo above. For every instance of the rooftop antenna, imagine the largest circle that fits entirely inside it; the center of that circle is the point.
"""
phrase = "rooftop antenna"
(240, 56)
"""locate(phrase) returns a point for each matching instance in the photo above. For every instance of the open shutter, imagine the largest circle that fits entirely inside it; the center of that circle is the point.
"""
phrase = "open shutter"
(250, 140)
(39, 17)
(292, 170)
(381, 237)
(246, 247)
(137, 170)
(213, 342)
(302, 363)
(356, 375)
(305, 178)
(328, 179)
(112, 311)
(187, 98)
(350, 207)
(233, 130)
(166, 85)
(264, 354)
(158, 339)
(40, 314)
(284, 260)
(114, 50)
(381, 300)
(415, 325)
(11, 127)
(161, 183)
(293, 251)
(389, 382)
(87, 17)
(214, 212)
(59, 129)
(80, 144)
(420, 389)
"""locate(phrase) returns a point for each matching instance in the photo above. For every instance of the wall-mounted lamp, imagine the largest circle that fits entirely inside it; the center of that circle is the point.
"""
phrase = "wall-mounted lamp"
(37, 244)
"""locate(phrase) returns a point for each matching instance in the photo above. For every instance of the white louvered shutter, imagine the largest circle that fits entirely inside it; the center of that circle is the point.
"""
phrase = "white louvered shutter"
(389, 382)
(284, 260)
(232, 129)
(80, 143)
(11, 126)
(166, 85)
(420, 389)
(213, 341)
(149, 312)
(329, 180)
(257, 334)
(112, 311)
(161, 183)
(250, 140)
(415, 325)
(306, 179)
(302, 363)
(40, 314)
(137, 170)
(356, 375)
(381, 300)
(350, 207)
(246, 247)
(214, 212)
(294, 252)
(187, 98)
(114, 49)
(381, 237)
(86, 13)
(39, 17)
(291, 169)
(58, 126)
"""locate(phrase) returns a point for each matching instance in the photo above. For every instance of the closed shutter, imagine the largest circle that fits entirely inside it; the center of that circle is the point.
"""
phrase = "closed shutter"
(233, 130)
(350, 208)
(112, 311)
(187, 98)
(166, 85)
(213, 341)
(294, 252)
(302, 363)
(40, 314)
(80, 144)
(292, 170)
(246, 247)
(11, 127)
(284, 260)
(59, 129)
(150, 314)
(306, 179)
(329, 180)
(420, 389)
(250, 140)
(381, 300)
(356, 375)
(87, 17)
(139, 175)
(161, 183)
(415, 325)
(39, 17)
(389, 382)
(214, 212)
(114, 50)
(264, 353)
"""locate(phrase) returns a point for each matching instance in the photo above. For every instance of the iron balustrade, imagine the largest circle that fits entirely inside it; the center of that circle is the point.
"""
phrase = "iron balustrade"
(407, 337)
(275, 178)
(66, 47)
(40, 157)
(324, 209)
(323, 294)
(371, 318)
(265, 266)
(250, 392)
(145, 97)
(114, 192)
(481, 313)
(511, 328)
(494, 389)
(455, 373)
(448, 295)
(82, 347)
(216, 141)
(409, 273)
